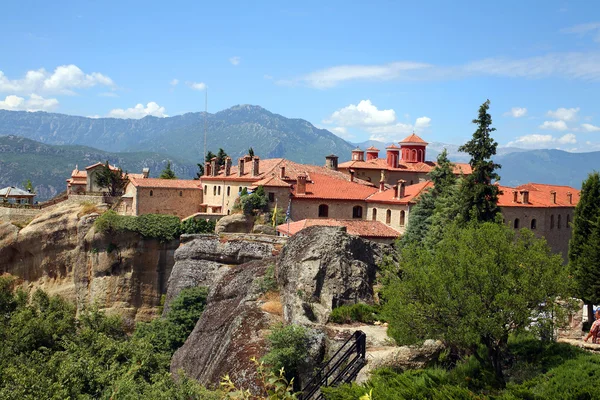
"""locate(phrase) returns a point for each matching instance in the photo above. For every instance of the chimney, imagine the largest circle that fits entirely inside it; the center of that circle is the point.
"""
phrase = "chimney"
(372, 153)
(525, 196)
(241, 166)
(255, 161)
(514, 192)
(301, 184)
(331, 162)
(381, 186)
(207, 170)
(227, 166)
(213, 167)
(282, 172)
(351, 175)
(553, 196)
(145, 172)
(570, 197)
(401, 188)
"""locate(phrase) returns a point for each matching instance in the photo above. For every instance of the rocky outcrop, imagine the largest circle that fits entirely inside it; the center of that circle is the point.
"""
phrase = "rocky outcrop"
(231, 330)
(264, 229)
(322, 268)
(235, 223)
(60, 252)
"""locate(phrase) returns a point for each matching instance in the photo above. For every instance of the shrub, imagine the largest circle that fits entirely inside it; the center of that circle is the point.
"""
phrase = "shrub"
(288, 349)
(268, 282)
(358, 312)
(193, 225)
(155, 226)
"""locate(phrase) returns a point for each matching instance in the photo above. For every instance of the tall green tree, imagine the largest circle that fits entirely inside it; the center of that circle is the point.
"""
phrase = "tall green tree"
(251, 152)
(114, 180)
(221, 155)
(480, 283)
(167, 172)
(209, 156)
(27, 185)
(479, 197)
(200, 172)
(584, 246)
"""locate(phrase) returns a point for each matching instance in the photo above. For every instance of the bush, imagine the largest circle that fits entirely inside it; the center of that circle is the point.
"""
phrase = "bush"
(193, 225)
(256, 201)
(288, 349)
(268, 282)
(358, 312)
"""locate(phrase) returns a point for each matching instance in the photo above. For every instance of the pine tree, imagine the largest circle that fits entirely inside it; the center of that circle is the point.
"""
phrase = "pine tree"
(251, 152)
(584, 246)
(221, 155)
(113, 180)
(209, 156)
(200, 172)
(168, 173)
(479, 197)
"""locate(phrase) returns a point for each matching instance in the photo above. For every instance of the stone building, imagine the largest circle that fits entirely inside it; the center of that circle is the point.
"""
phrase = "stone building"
(407, 162)
(372, 230)
(545, 209)
(13, 195)
(84, 182)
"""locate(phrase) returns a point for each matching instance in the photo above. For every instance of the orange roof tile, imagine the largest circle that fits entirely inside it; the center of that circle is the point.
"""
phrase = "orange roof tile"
(540, 195)
(413, 139)
(381, 163)
(411, 194)
(100, 163)
(165, 183)
(321, 186)
(272, 181)
(372, 148)
(356, 227)
(393, 146)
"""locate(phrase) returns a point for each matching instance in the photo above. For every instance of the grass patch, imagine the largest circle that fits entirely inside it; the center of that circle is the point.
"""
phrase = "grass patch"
(88, 208)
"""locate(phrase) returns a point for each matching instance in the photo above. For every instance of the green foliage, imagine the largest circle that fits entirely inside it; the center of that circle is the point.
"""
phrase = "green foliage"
(113, 180)
(251, 152)
(273, 385)
(156, 226)
(479, 197)
(27, 185)
(255, 202)
(268, 282)
(479, 284)
(358, 312)
(200, 172)
(221, 155)
(288, 349)
(584, 247)
(193, 225)
(167, 172)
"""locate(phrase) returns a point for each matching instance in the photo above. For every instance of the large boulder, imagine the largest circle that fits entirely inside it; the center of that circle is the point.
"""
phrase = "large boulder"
(321, 268)
(264, 229)
(235, 223)
(231, 330)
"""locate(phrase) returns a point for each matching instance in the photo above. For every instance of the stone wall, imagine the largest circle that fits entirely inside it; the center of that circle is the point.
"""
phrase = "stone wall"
(18, 215)
(395, 221)
(374, 175)
(170, 201)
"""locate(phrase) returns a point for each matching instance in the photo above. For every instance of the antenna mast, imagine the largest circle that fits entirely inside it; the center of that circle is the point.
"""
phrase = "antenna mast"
(205, 114)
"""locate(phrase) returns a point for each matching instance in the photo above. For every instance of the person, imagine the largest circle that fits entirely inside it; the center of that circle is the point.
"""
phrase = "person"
(595, 329)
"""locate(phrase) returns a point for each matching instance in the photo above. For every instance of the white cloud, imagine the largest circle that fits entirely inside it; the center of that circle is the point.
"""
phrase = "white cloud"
(516, 112)
(422, 123)
(96, 116)
(139, 111)
(537, 141)
(565, 114)
(554, 125)
(584, 29)
(398, 131)
(174, 82)
(34, 103)
(63, 80)
(197, 85)
(235, 60)
(342, 132)
(590, 128)
(362, 114)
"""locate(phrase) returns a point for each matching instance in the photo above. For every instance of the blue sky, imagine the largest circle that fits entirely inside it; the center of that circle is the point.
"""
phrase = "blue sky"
(377, 69)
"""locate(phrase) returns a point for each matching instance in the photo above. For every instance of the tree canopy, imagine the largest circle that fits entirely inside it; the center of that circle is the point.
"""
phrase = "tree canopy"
(167, 172)
(112, 180)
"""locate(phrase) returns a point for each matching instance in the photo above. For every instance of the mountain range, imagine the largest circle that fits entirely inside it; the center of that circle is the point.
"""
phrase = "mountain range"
(45, 147)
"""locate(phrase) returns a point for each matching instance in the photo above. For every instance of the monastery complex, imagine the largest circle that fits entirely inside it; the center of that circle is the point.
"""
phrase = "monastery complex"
(371, 196)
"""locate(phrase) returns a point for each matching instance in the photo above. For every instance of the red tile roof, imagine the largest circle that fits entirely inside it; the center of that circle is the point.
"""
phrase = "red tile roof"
(271, 181)
(393, 146)
(413, 139)
(381, 163)
(322, 186)
(540, 195)
(356, 227)
(100, 163)
(165, 183)
(411, 194)
(372, 148)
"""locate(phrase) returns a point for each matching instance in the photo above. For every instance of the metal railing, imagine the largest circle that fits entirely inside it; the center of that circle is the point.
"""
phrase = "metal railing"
(341, 368)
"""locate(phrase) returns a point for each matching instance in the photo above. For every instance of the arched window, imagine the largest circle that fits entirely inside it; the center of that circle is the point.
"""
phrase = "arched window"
(516, 224)
(421, 158)
(388, 217)
(533, 224)
(323, 210)
(558, 222)
(568, 221)
(374, 214)
(219, 191)
(151, 193)
(240, 189)
(214, 190)
(552, 221)
(413, 156)
(205, 187)
(402, 218)
(357, 212)
(180, 193)
(228, 191)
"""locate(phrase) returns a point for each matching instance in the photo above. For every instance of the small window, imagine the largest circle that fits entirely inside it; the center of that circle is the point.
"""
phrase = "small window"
(228, 191)
(402, 218)
(552, 221)
(323, 210)
(219, 191)
(516, 224)
(151, 193)
(558, 224)
(374, 217)
(568, 221)
(205, 188)
(411, 181)
(533, 224)
(214, 190)
(388, 217)
(357, 212)
(240, 189)
(271, 197)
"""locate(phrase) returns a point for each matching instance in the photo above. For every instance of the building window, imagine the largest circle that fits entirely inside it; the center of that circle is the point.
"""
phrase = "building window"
(388, 217)
(205, 188)
(374, 217)
(271, 197)
(552, 221)
(180, 193)
(558, 222)
(568, 221)
(240, 189)
(151, 193)
(323, 210)
(516, 224)
(357, 212)
(533, 224)
(219, 191)
(228, 191)
(402, 218)
(214, 190)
